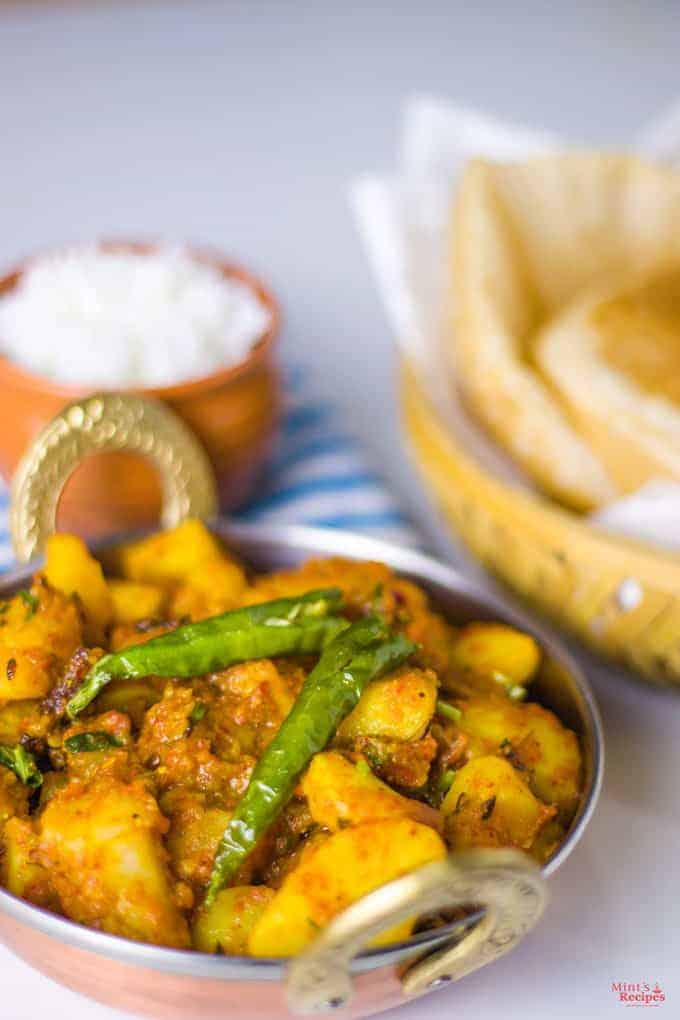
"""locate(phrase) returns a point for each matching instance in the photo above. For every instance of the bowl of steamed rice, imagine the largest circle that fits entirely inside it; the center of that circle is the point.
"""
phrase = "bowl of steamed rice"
(182, 325)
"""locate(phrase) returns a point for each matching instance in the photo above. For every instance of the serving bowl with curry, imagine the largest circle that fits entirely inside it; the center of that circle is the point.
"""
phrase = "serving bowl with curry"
(219, 745)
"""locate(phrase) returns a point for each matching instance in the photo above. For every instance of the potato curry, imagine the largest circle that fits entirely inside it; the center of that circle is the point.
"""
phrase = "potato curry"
(199, 757)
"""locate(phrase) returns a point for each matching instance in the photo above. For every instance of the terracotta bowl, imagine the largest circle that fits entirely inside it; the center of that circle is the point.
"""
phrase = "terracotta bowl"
(233, 411)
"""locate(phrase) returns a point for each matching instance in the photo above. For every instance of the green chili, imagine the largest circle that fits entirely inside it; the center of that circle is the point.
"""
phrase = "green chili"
(363, 653)
(96, 740)
(449, 711)
(22, 764)
(445, 781)
(299, 625)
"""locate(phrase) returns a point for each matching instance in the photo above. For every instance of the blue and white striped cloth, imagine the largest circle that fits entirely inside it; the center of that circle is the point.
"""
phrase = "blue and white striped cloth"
(318, 474)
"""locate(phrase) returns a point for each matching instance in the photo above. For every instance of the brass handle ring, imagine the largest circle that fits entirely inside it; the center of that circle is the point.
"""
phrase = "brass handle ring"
(506, 883)
(98, 424)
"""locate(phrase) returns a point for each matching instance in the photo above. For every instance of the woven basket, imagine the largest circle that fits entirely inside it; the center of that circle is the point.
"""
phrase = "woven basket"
(621, 597)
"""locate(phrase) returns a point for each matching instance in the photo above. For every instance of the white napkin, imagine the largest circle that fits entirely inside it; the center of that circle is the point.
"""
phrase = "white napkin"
(403, 221)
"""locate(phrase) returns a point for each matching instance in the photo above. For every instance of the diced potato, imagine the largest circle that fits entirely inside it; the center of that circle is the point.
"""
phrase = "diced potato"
(101, 843)
(397, 707)
(551, 754)
(435, 637)
(340, 793)
(71, 569)
(13, 797)
(494, 649)
(336, 872)
(213, 588)
(532, 738)
(168, 556)
(20, 717)
(549, 838)
(488, 804)
(39, 631)
(193, 840)
(225, 926)
(19, 871)
(134, 600)
(489, 720)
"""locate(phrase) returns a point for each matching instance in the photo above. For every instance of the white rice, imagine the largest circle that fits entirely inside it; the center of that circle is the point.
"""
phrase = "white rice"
(115, 319)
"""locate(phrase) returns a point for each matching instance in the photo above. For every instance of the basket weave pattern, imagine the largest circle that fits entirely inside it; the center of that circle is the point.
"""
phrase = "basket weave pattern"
(622, 598)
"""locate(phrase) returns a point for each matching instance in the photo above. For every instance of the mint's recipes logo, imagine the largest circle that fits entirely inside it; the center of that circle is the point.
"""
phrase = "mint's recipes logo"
(638, 993)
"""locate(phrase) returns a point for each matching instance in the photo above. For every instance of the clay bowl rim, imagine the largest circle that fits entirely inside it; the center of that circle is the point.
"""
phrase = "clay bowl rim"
(259, 353)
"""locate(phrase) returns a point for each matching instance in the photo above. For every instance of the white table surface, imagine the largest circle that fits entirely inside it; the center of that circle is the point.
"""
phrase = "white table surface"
(239, 124)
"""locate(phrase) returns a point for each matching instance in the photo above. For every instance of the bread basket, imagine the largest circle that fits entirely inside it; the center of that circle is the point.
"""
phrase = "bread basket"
(482, 237)
(621, 597)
